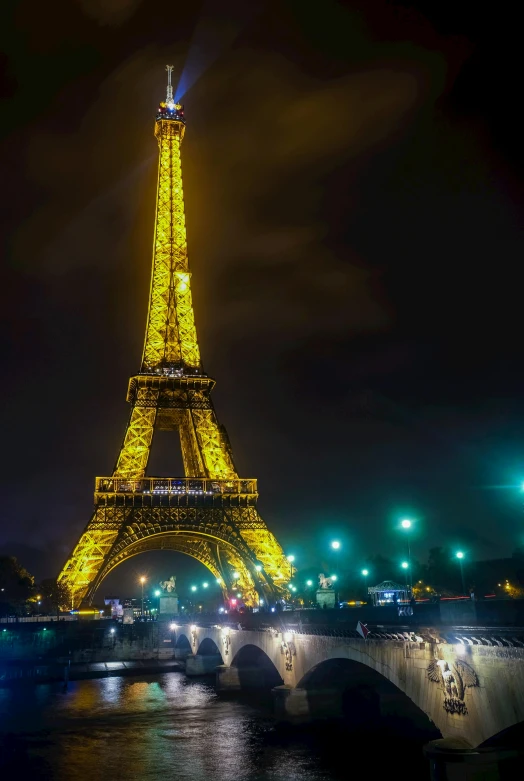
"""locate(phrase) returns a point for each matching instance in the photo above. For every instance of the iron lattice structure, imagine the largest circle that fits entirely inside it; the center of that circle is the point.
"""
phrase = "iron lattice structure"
(210, 513)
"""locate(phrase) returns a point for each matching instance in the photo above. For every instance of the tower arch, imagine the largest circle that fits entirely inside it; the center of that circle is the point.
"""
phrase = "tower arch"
(218, 555)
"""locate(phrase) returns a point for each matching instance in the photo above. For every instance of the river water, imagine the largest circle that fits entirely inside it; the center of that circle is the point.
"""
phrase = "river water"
(168, 727)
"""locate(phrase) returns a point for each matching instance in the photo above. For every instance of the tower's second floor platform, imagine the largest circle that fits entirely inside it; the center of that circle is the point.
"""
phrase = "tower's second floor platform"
(176, 491)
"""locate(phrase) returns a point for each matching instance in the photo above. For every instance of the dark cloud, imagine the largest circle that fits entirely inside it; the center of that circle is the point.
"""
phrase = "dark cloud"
(109, 12)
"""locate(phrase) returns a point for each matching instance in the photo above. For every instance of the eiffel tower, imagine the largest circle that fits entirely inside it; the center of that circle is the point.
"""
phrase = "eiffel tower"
(210, 513)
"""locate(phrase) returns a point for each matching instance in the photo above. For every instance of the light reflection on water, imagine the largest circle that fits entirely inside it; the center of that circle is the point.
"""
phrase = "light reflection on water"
(155, 728)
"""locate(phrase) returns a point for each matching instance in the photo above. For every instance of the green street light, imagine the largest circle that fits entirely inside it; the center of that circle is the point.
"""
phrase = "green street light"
(406, 525)
(205, 585)
(365, 572)
(291, 559)
(333, 577)
(335, 545)
(405, 565)
(157, 593)
(193, 588)
(460, 556)
(309, 582)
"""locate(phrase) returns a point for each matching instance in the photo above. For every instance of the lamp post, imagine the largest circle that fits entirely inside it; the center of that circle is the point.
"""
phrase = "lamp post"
(142, 581)
(336, 546)
(406, 525)
(291, 559)
(405, 566)
(460, 556)
(365, 573)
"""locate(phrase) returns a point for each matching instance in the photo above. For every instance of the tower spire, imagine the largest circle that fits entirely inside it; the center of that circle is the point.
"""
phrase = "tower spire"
(169, 94)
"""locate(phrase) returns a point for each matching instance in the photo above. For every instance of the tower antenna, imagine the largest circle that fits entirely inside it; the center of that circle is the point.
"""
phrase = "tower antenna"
(169, 95)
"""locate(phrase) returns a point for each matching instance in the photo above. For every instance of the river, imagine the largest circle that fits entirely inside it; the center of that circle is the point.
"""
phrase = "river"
(169, 727)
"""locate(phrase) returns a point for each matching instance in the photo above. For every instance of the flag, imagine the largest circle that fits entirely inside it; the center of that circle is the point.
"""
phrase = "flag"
(362, 629)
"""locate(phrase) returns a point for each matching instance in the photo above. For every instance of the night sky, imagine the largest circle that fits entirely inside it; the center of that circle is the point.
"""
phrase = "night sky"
(354, 207)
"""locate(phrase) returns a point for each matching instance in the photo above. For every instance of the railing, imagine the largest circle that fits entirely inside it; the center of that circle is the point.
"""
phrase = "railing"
(179, 486)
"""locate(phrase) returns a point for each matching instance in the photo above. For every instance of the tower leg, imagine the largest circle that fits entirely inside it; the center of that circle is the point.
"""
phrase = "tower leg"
(91, 552)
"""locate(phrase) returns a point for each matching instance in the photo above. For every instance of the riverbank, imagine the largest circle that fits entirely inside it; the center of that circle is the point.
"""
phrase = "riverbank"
(20, 673)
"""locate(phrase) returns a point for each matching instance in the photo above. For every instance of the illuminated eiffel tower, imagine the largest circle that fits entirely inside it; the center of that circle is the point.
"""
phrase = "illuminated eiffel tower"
(210, 513)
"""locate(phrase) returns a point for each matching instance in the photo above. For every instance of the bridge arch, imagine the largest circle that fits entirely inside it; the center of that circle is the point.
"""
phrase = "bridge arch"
(362, 696)
(255, 668)
(511, 737)
(208, 647)
(182, 642)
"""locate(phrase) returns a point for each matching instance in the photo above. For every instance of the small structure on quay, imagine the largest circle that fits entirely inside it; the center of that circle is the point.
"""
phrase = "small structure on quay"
(326, 596)
(388, 593)
(168, 601)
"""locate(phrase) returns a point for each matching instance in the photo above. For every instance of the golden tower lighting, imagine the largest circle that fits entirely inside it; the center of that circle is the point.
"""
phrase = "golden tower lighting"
(208, 513)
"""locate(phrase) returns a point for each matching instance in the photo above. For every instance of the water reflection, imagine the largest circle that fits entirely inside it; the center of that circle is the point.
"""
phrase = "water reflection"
(157, 727)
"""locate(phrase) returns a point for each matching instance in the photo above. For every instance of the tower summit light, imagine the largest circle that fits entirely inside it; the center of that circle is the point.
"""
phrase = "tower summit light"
(209, 512)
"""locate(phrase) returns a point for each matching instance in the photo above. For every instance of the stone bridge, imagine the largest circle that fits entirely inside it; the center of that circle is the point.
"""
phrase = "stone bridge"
(467, 682)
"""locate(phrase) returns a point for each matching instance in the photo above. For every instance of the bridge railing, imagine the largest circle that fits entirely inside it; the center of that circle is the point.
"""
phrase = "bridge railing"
(486, 636)
(178, 486)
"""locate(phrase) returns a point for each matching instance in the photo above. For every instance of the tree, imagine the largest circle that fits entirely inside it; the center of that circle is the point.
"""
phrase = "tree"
(443, 570)
(16, 586)
(55, 596)
(380, 569)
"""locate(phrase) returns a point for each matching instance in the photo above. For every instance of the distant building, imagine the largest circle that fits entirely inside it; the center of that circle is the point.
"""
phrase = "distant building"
(114, 604)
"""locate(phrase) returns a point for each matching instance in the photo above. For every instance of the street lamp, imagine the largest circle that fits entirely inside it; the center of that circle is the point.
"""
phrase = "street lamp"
(335, 545)
(405, 565)
(309, 582)
(406, 525)
(205, 585)
(157, 593)
(365, 573)
(193, 588)
(460, 556)
(142, 581)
